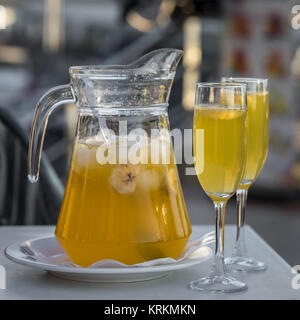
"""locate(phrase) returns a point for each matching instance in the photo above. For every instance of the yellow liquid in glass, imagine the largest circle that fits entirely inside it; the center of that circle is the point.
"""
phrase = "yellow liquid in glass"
(258, 136)
(224, 152)
(129, 213)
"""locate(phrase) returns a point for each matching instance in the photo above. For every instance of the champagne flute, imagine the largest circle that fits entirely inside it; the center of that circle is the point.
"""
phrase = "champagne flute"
(220, 146)
(258, 136)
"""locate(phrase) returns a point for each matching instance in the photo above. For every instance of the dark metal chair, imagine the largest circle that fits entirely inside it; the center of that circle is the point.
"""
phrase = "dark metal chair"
(20, 201)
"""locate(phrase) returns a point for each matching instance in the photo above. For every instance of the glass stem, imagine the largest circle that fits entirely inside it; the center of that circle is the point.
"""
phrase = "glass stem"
(240, 244)
(218, 265)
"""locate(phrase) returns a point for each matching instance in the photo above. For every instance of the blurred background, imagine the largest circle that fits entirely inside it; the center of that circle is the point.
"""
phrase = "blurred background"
(41, 39)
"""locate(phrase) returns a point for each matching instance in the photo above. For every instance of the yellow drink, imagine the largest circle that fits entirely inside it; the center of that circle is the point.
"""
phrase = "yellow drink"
(258, 136)
(130, 213)
(224, 151)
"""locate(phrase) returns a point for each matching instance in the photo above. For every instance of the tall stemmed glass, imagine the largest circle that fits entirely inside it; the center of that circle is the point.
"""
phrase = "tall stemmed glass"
(220, 146)
(258, 139)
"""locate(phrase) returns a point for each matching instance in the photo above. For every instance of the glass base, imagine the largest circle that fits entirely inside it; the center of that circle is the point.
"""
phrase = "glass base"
(218, 284)
(244, 264)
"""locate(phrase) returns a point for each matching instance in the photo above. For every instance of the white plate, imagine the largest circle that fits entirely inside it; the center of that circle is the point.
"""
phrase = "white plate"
(42, 253)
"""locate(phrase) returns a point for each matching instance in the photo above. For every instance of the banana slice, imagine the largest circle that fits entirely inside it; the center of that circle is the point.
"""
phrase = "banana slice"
(150, 180)
(123, 178)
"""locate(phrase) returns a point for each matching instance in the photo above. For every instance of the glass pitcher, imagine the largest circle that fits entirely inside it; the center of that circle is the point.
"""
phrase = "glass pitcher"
(122, 201)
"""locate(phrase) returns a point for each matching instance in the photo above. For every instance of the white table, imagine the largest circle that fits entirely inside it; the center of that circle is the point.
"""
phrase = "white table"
(27, 283)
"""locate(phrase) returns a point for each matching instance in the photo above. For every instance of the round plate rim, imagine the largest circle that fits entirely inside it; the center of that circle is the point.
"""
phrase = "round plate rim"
(81, 270)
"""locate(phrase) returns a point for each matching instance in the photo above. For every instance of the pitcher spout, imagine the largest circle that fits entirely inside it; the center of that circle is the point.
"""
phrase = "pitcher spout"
(146, 82)
(160, 62)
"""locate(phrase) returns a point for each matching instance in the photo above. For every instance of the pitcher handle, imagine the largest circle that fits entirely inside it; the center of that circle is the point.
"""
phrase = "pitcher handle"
(49, 101)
